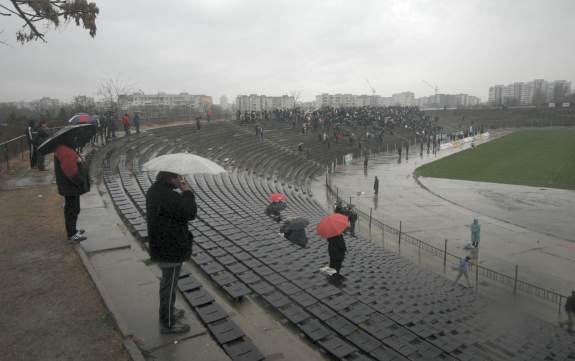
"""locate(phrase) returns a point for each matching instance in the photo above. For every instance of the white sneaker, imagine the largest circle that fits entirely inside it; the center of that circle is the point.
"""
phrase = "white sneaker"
(77, 238)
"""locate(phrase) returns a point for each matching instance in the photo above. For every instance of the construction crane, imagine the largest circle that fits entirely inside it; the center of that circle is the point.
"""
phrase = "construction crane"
(434, 86)
(370, 87)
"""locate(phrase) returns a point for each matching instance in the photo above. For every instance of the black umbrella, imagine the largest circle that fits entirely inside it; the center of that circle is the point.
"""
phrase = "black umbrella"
(77, 135)
(294, 224)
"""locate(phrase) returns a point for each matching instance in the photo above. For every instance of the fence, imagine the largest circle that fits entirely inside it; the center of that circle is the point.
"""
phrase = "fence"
(11, 150)
(402, 238)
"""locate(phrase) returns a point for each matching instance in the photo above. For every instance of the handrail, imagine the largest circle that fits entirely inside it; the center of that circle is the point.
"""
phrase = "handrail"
(12, 140)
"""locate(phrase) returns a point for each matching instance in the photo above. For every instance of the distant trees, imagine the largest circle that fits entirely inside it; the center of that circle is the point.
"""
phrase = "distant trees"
(111, 90)
(35, 14)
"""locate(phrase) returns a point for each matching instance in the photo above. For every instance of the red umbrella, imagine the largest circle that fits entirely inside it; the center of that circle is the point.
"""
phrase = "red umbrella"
(80, 118)
(332, 225)
(277, 197)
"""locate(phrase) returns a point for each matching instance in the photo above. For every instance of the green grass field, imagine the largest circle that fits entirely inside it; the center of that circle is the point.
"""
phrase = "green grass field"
(542, 158)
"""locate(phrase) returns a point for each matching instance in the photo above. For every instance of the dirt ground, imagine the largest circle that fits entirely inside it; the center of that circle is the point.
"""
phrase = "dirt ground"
(50, 309)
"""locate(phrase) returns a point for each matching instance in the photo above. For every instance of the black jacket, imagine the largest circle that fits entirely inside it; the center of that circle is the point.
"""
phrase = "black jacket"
(336, 247)
(168, 213)
(41, 135)
(570, 304)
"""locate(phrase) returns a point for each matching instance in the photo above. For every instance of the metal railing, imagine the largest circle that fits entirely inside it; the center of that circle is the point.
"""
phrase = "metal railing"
(11, 150)
(402, 238)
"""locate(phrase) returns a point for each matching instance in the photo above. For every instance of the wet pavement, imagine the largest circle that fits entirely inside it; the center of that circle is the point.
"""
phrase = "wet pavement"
(525, 226)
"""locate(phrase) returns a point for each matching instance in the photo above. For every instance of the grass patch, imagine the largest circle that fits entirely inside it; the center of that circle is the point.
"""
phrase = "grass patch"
(541, 158)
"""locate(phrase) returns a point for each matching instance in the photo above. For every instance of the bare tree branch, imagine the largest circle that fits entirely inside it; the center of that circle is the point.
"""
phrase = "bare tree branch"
(28, 22)
(81, 12)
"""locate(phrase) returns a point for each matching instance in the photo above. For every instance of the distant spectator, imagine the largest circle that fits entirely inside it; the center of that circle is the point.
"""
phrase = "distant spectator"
(570, 310)
(73, 180)
(376, 185)
(42, 133)
(462, 269)
(126, 124)
(136, 121)
(30, 135)
(352, 216)
(475, 231)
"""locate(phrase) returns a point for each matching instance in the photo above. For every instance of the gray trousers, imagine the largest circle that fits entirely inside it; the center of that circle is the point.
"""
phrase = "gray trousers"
(168, 286)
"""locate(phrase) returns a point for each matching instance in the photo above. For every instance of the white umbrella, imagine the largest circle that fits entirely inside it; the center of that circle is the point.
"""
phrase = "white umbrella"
(182, 164)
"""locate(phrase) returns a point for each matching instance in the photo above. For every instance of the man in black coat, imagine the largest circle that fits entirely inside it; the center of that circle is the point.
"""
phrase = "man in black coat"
(170, 241)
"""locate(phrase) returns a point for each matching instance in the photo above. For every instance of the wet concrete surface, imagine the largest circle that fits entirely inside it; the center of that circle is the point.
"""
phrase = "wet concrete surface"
(131, 284)
(524, 226)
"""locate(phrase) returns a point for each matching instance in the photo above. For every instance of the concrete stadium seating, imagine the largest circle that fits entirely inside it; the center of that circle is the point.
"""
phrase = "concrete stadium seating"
(387, 309)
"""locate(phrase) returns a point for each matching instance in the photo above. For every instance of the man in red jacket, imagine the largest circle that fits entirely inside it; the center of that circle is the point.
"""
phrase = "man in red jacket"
(72, 180)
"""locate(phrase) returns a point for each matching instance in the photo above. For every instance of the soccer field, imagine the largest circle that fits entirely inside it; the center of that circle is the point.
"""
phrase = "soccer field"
(543, 158)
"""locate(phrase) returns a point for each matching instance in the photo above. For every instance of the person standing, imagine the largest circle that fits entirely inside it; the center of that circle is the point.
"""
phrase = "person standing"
(352, 215)
(462, 269)
(336, 250)
(136, 121)
(168, 213)
(570, 310)
(475, 231)
(32, 154)
(72, 180)
(126, 124)
(376, 185)
(41, 135)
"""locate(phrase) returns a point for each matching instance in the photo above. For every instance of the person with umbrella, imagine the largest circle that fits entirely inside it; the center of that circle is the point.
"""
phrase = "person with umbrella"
(331, 227)
(276, 206)
(72, 180)
(71, 172)
(170, 241)
(294, 230)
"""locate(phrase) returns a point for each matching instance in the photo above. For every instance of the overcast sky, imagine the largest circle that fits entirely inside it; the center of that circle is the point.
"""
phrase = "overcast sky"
(232, 47)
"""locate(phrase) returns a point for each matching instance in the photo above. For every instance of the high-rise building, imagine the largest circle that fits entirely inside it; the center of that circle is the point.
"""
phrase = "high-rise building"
(198, 102)
(254, 102)
(496, 95)
(404, 98)
(538, 91)
(224, 102)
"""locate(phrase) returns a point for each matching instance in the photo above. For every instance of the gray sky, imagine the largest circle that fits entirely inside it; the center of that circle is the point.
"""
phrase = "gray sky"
(232, 47)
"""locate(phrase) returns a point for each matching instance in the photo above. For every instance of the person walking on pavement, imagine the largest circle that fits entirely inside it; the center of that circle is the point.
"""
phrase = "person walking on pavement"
(376, 185)
(126, 124)
(570, 310)
(136, 121)
(168, 213)
(30, 135)
(475, 231)
(462, 270)
(73, 180)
